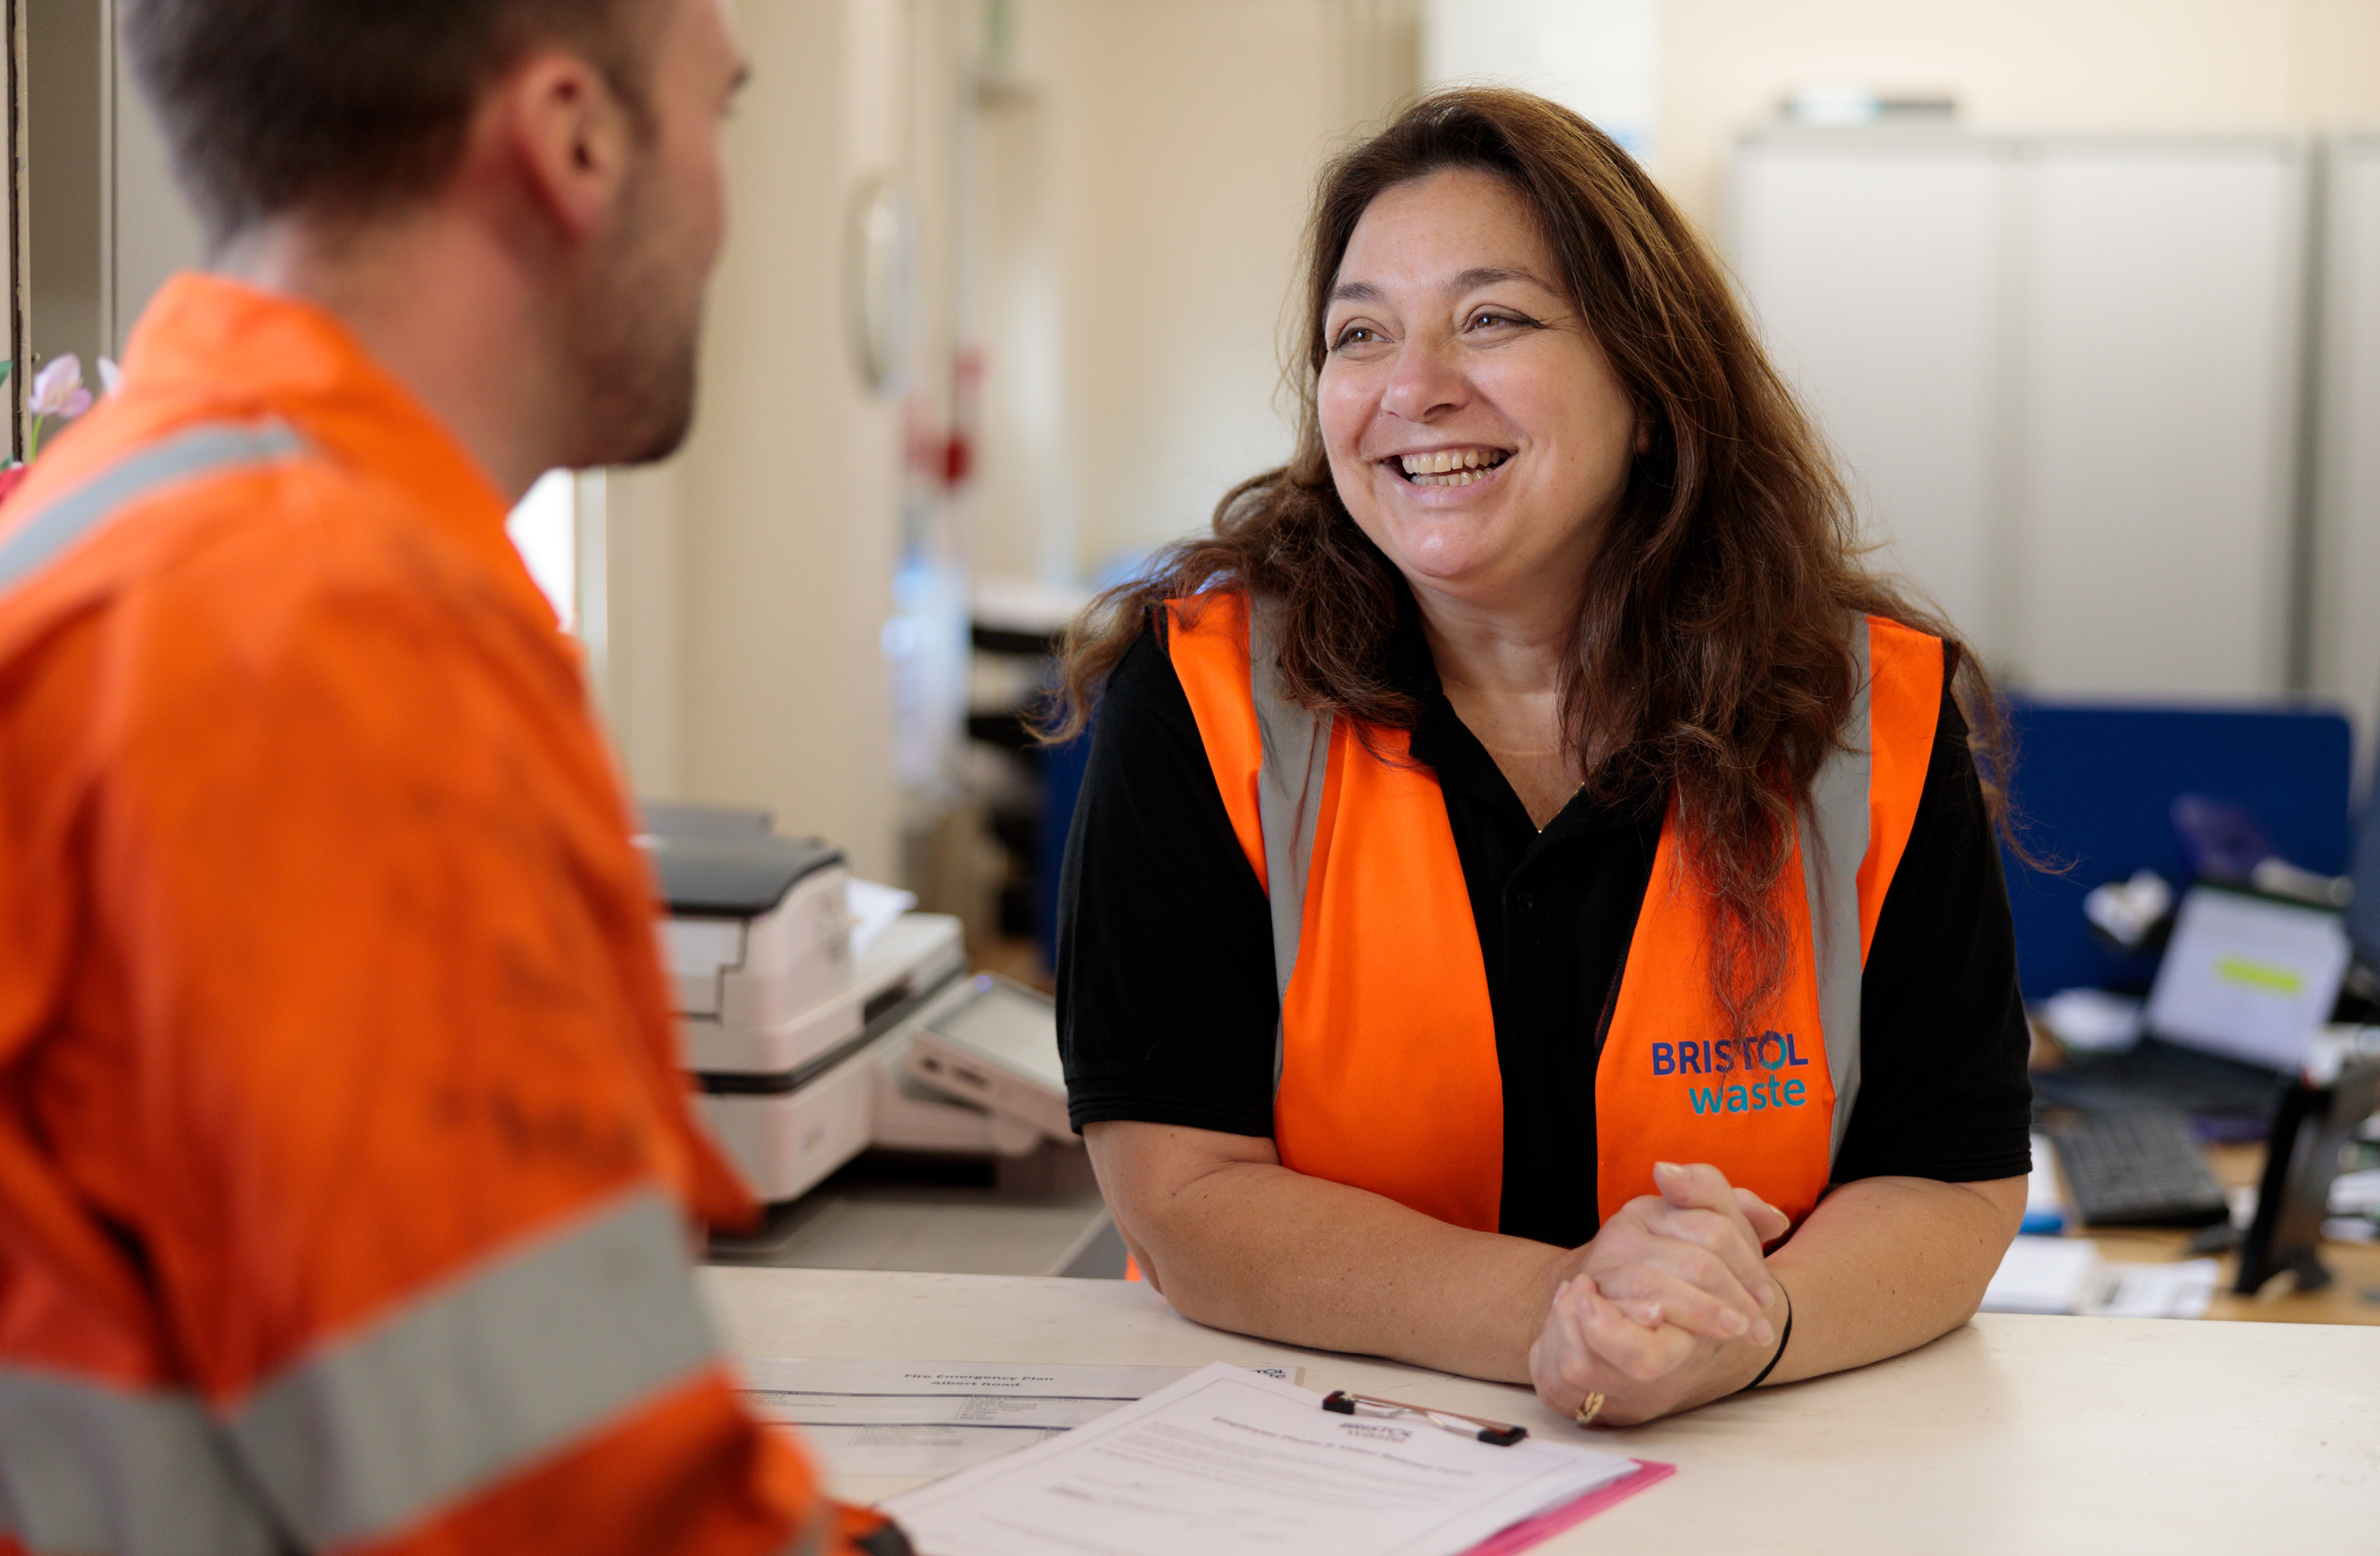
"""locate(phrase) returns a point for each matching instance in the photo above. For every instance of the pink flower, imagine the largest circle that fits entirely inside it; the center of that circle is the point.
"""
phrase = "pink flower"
(58, 390)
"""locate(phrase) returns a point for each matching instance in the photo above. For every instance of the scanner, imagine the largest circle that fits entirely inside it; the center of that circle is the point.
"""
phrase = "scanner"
(757, 937)
(799, 1049)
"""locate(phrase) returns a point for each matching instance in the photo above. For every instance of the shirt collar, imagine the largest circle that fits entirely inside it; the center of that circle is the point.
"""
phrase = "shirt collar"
(1440, 738)
(210, 347)
(1443, 742)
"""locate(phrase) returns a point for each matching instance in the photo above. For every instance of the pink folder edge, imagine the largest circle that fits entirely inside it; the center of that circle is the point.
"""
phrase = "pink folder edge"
(1546, 1525)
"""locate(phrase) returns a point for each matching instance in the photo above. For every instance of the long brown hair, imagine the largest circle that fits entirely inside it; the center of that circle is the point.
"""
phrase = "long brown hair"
(1711, 662)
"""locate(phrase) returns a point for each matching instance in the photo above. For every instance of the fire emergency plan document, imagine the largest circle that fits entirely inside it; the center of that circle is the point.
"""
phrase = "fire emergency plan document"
(928, 1420)
(1227, 1461)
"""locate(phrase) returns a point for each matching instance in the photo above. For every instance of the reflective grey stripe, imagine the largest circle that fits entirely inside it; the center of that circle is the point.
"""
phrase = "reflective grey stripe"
(205, 449)
(1834, 828)
(465, 1385)
(484, 1378)
(87, 1468)
(1289, 796)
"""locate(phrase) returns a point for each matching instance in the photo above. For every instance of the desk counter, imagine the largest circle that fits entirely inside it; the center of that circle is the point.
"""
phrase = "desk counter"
(2013, 1434)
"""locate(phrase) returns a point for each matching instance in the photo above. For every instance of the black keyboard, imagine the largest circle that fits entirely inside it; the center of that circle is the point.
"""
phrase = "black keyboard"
(2136, 1167)
(2232, 1101)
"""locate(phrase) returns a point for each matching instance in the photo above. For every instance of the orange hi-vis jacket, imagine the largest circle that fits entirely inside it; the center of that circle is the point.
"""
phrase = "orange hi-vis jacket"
(345, 1176)
(1386, 1074)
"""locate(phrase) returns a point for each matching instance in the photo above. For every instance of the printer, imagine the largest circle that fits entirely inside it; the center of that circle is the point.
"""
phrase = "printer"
(758, 940)
(804, 1050)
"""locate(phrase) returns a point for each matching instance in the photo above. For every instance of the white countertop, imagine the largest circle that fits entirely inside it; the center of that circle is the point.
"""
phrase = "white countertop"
(2013, 1434)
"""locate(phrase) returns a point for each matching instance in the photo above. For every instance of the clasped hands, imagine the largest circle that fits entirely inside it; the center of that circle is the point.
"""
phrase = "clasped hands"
(1668, 1306)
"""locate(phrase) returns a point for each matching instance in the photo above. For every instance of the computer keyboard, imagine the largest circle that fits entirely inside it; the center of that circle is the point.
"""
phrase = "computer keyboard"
(2136, 1167)
(2231, 1101)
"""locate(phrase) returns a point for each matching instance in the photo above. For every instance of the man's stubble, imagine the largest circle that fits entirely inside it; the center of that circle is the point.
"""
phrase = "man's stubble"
(633, 325)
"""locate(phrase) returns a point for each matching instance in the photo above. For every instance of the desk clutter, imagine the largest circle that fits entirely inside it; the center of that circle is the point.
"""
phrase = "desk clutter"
(819, 1016)
(2043, 1272)
(2320, 1182)
(2202, 968)
(2066, 1275)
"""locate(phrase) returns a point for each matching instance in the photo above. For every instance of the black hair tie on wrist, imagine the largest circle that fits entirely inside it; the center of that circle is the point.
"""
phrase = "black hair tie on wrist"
(1782, 1340)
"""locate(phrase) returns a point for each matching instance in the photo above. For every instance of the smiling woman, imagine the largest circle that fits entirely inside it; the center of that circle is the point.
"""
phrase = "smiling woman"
(1532, 904)
(1463, 404)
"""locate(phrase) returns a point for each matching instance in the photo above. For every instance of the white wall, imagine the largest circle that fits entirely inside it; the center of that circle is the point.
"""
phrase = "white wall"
(1600, 57)
(1157, 164)
(637, 667)
(154, 230)
(786, 498)
(2347, 537)
(1879, 279)
(2063, 374)
(2015, 65)
(2156, 405)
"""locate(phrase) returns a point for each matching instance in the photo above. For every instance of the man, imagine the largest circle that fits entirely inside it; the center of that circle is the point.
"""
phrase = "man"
(346, 1182)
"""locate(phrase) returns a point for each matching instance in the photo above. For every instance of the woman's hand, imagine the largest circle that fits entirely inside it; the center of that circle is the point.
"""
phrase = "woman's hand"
(1690, 1254)
(1672, 1304)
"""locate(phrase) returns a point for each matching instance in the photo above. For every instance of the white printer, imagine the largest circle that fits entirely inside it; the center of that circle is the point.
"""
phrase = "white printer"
(758, 941)
(802, 1054)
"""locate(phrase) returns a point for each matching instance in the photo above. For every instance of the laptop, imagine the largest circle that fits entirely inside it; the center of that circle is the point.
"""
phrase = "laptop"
(2246, 981)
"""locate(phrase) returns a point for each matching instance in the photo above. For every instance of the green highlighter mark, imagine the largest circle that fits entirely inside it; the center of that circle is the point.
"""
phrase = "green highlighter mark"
(2265, 978)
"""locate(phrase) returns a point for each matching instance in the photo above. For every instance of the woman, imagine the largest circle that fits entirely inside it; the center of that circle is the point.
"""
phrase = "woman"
(1527, 867)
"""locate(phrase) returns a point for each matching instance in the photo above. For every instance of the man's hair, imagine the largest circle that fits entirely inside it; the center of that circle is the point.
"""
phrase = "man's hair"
(349, 107)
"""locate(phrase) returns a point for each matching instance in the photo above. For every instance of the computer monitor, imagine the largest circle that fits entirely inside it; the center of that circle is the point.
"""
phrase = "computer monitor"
(2310, 1133)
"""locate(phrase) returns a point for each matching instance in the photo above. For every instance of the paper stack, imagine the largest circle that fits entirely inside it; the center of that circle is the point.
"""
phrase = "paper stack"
(2066, 1275)
(2042, 1275)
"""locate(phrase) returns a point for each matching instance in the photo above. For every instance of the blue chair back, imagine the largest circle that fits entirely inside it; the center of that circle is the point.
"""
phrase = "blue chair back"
(1061, 786)
(2094, 788)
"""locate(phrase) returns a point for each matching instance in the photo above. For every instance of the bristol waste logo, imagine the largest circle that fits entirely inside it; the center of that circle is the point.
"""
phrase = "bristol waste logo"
(1756, 1065)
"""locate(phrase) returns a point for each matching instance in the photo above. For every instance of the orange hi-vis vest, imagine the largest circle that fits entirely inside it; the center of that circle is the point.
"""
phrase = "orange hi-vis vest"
(1385, 1068)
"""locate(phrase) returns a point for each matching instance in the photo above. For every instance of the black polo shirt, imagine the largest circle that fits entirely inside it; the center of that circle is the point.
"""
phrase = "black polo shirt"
(1167, 1011)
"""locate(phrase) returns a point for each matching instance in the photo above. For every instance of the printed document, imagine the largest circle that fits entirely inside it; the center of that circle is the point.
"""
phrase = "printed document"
(925, 1419)
(1229, 1461)
(2154, 1291)
(2042, 1275)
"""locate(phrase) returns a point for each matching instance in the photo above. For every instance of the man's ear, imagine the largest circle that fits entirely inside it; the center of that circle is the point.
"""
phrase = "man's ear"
(567, 135)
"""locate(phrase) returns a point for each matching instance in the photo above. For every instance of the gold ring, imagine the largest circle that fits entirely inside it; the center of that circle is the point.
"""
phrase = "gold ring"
(1588, 1408)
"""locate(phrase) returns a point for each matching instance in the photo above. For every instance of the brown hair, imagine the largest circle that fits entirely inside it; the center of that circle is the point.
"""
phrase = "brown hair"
(1711, 660)
(351, 106)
